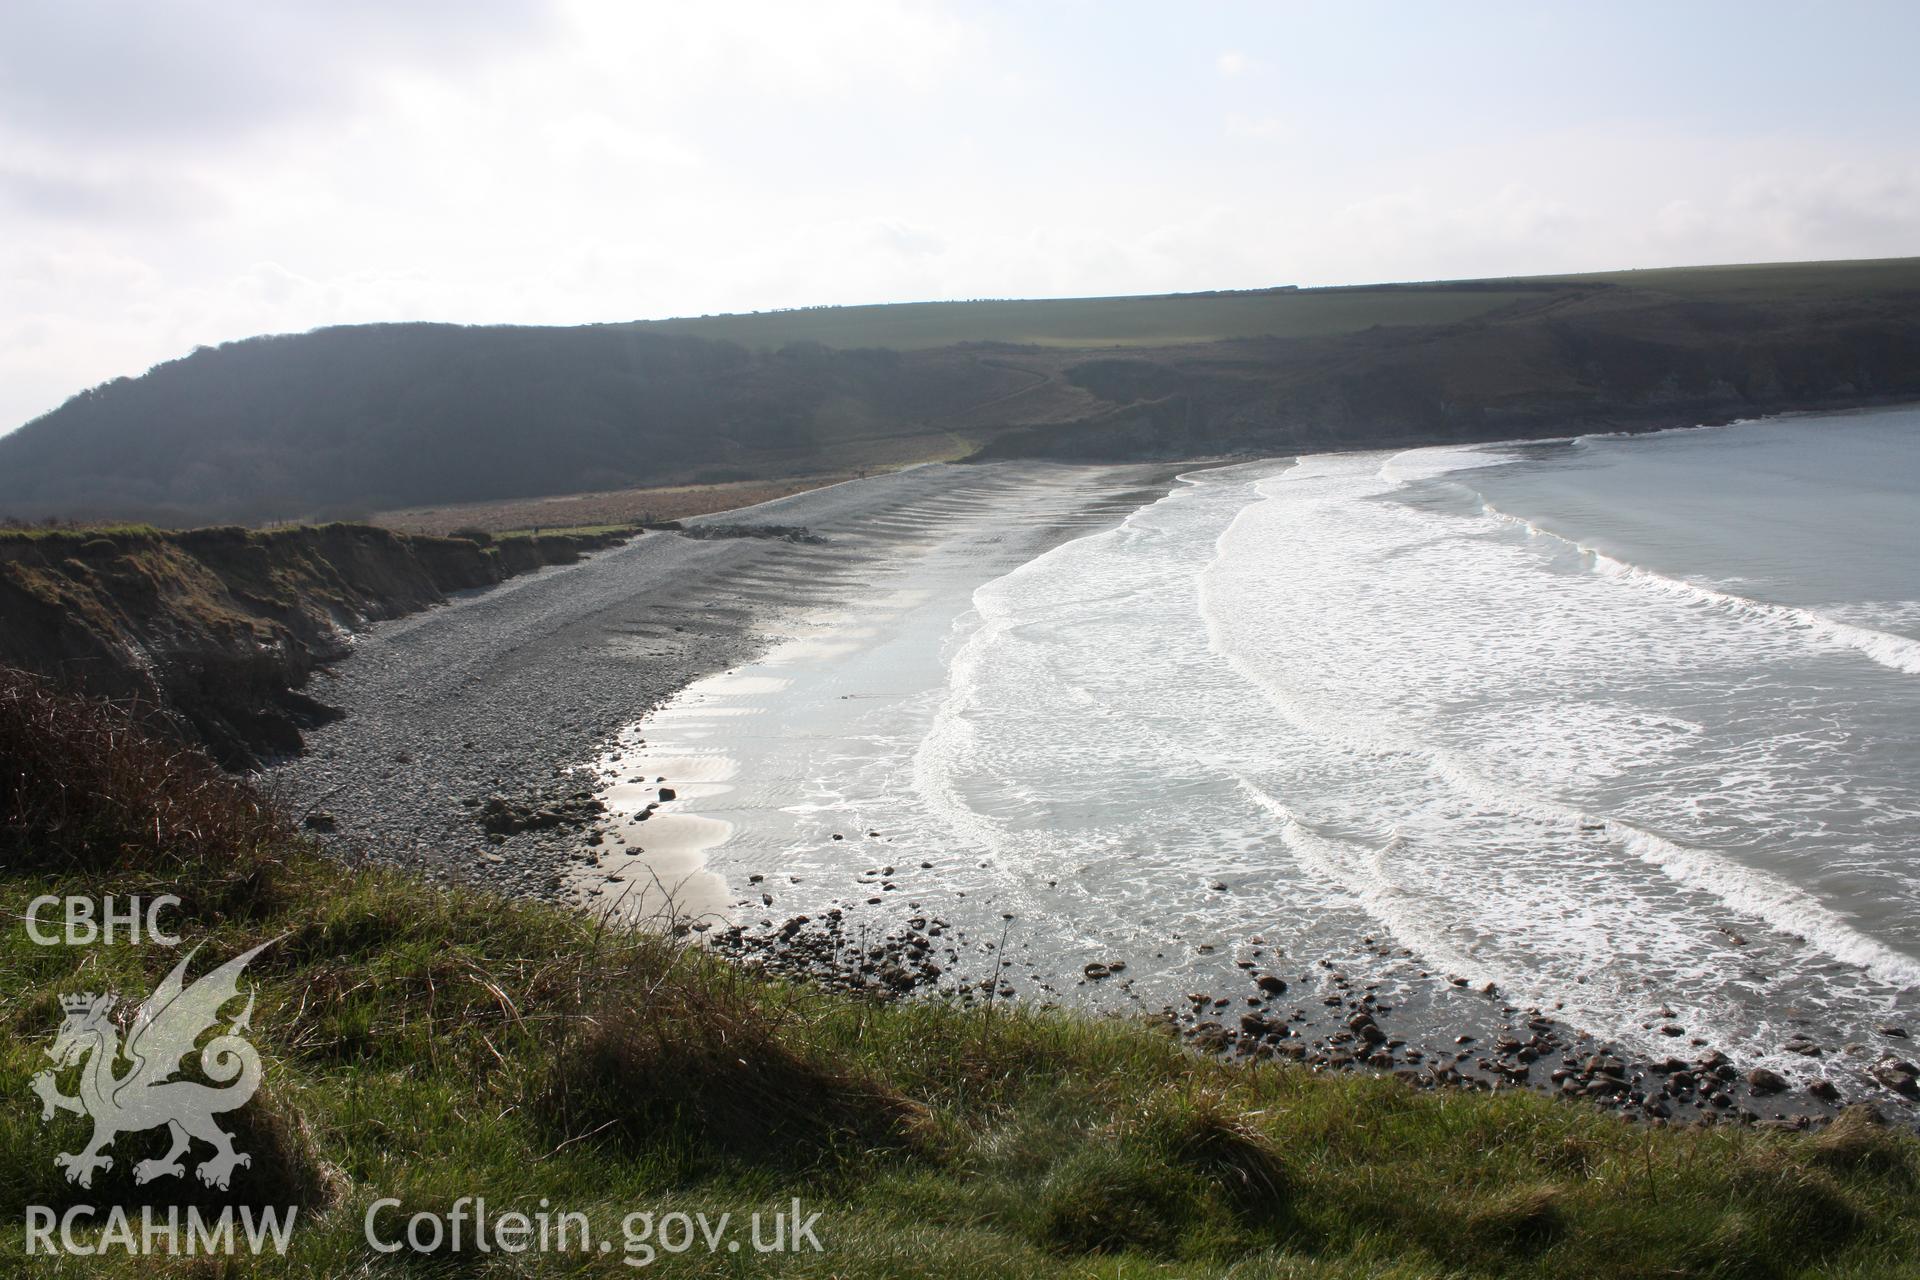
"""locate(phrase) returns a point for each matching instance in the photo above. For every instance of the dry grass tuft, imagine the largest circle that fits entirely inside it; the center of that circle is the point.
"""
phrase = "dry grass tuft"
(1785, 1193)
(1110, 1200)
(1573, 1154)
(687, 1057)
(1526, 1216)
(85, 787)
(1859, 1140)
(1207, 1133)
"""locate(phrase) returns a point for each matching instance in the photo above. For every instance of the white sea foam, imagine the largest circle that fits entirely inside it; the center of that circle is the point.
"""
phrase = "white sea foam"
(1377, 698)
(1371, 713)
(1364, 874)
(1769, 898)
(1895, 652)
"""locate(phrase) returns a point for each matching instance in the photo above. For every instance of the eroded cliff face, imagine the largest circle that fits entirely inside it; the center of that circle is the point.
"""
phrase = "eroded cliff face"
(216, 632)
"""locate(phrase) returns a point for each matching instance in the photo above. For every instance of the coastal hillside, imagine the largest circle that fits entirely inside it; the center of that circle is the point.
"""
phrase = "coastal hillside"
(1283, 311)
(349, 421)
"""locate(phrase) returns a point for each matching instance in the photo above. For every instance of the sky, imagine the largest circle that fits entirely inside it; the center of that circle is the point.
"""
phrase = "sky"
(189, 173)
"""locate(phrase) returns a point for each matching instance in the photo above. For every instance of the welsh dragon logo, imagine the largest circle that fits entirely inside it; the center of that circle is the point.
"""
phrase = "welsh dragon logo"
(147, 1094)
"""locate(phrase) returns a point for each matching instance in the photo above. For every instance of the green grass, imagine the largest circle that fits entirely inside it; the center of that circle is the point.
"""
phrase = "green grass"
(428, 1044)
(570, 530)
(74, 534)
(1177, 319)
(1169, 320)
(1775, 282)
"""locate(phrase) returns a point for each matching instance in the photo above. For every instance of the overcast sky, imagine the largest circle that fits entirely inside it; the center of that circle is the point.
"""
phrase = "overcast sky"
(190, 172)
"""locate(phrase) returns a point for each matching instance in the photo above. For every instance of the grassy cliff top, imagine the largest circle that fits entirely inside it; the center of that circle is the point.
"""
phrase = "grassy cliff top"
(1157, 320)
(1150, 321)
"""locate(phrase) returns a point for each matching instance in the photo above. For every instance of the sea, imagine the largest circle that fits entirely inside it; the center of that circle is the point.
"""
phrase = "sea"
(1626, 726)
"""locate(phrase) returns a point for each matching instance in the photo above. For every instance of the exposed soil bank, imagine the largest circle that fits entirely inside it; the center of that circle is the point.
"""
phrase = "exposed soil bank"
(219, 630)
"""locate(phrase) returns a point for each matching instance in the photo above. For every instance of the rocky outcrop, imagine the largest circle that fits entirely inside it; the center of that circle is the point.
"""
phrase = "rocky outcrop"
(216, 632)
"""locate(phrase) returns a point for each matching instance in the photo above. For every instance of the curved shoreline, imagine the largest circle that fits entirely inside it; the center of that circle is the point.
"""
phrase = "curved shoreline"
(508, 692)
(504, 694)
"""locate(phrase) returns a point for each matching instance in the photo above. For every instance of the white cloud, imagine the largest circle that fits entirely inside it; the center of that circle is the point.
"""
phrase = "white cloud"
(1232, 65)
(124, 73)
(1263, 128)
(94, 194)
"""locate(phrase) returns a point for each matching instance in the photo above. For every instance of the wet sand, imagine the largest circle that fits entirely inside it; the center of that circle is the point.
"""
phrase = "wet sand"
(503, 700)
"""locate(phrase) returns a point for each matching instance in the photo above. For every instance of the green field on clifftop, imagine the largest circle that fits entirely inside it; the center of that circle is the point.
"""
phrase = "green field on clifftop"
(1166, 320)
(1180, 318)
